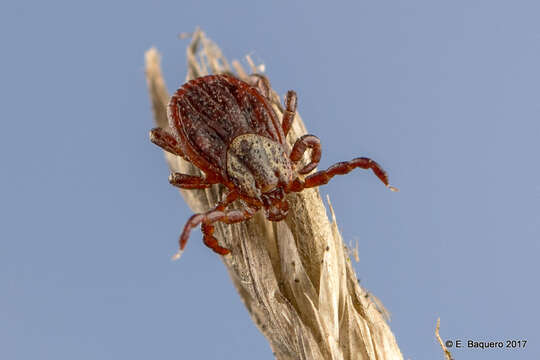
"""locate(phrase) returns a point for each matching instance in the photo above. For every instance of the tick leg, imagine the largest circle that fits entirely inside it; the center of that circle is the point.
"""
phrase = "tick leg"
(300, 146)
(207, 228)
(184, 181)
(262, 84)
(341, 168)
(207, 219)
(166, 141)
(210, 241)
(289, 112)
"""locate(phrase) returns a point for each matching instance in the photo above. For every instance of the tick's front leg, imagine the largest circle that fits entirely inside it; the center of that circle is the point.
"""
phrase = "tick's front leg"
(341, 168)
(208, 219)
(300, 146)
(210, 241)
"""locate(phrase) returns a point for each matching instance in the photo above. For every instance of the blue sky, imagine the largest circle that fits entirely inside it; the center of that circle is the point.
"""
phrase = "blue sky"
(443, 94)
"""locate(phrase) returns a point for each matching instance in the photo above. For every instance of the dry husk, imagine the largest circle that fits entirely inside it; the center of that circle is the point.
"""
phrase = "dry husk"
(295, 276)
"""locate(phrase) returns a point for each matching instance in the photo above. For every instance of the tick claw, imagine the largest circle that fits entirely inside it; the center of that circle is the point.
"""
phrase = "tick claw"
(392, 188)
(177, 255)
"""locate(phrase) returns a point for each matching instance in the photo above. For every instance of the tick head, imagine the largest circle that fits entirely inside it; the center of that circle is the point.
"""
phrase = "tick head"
(275, 204)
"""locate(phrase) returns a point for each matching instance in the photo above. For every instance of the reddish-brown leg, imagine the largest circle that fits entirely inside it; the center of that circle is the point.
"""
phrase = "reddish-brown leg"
(262, 84)
(341, 168)
(300, 146)
(289, 112)
(166, 141)
(184, 181)
(210, 241)
(207, 219)
(207, 228)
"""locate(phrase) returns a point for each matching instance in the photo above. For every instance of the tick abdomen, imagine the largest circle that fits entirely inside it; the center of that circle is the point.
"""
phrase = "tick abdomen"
(257, 164)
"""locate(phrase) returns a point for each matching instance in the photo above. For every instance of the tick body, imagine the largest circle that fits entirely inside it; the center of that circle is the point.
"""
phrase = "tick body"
(227, 128)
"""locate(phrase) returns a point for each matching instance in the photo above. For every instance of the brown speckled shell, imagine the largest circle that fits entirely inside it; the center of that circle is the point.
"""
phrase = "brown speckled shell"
(207, 113)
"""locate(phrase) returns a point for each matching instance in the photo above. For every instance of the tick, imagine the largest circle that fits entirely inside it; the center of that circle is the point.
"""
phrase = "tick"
(227, 128)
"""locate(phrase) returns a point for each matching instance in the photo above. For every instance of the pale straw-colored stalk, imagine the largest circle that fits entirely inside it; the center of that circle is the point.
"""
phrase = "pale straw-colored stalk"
(294, 276)
(447, 354)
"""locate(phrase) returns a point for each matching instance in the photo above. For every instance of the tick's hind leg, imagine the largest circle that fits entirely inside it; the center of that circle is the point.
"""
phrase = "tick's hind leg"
(289, 112)
(300, 146)
(166, 141)
(261, 83)
(341, 168)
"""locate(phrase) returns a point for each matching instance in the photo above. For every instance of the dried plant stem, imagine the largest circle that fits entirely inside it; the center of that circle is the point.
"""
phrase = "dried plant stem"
(294, 276)
(447, 354)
